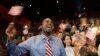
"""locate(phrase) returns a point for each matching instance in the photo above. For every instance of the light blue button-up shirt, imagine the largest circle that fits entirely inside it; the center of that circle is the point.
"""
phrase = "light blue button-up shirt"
(36, 46)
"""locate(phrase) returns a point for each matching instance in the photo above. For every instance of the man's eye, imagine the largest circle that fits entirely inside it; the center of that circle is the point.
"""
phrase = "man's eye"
(47, 21)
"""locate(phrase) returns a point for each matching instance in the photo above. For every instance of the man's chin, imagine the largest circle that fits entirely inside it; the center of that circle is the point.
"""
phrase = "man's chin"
(48, 31)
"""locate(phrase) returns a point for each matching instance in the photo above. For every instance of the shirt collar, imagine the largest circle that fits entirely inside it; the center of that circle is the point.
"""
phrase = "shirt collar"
(51, 37)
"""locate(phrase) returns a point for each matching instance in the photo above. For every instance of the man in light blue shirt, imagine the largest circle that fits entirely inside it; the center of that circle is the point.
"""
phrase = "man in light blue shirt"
(35, 45)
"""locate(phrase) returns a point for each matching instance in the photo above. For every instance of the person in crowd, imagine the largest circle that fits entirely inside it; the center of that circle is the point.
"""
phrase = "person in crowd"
(76, 36)
(83, 49)
(92, 51)
(78, 40)
(89, 49)
(98, 43)
(73, 29)
(68, 47)
(25, 33)
(44, 44)
(77, 46)
(61, 29)
(83, 38)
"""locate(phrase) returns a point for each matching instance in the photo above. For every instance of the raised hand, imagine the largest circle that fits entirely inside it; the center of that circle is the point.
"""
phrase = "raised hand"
(11, 31)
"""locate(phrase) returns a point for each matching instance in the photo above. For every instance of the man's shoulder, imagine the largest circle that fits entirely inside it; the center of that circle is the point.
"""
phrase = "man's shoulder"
(36, 37)
(56, 38)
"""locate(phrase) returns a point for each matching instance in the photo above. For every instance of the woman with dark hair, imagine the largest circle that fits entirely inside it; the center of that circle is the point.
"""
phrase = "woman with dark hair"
(68, 48)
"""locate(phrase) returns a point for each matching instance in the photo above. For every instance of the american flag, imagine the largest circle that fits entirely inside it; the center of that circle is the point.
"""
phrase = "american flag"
(16, 10)
(91, 34)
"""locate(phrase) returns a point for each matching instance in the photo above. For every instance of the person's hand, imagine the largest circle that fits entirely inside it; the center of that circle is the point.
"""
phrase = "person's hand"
(11, 31)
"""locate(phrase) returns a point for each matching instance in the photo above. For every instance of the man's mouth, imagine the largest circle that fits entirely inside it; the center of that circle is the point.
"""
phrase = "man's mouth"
(48, 27)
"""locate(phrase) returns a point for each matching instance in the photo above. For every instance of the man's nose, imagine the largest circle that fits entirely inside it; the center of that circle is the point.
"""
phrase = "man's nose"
(49, 23)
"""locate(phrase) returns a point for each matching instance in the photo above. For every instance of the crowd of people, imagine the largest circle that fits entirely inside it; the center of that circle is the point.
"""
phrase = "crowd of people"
(64, 39)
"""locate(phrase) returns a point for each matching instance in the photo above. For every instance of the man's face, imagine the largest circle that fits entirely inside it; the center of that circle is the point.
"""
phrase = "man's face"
(47, 25)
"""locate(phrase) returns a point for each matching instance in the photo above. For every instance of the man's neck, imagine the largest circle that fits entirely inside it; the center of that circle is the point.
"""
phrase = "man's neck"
(47, 33)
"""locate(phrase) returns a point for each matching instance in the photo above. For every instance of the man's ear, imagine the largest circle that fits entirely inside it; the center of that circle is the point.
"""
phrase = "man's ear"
(40, 27)
(53, 27)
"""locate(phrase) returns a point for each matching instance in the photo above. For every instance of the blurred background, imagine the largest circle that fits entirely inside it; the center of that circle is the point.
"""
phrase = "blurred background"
(35, 10)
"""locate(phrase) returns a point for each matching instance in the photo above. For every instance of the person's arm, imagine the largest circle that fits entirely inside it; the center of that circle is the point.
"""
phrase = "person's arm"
(62, 51)
(12, 48)
(18, 50)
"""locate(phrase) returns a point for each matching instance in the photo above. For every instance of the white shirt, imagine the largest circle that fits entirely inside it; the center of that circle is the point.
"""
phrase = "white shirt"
(69, 51)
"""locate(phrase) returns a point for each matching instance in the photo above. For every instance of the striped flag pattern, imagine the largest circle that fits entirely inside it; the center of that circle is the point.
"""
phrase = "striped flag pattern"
(48, 48)
(91, 34)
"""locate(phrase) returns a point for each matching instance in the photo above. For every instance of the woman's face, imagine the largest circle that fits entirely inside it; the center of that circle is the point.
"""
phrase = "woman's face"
(67, 41)
(77, 43)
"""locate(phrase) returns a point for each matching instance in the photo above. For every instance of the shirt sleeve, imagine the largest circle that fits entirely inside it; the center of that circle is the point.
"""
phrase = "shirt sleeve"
(18, 50)
(62, 51)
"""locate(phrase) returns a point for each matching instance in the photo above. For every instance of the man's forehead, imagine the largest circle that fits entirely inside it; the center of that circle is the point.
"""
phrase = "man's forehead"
(47, 19)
